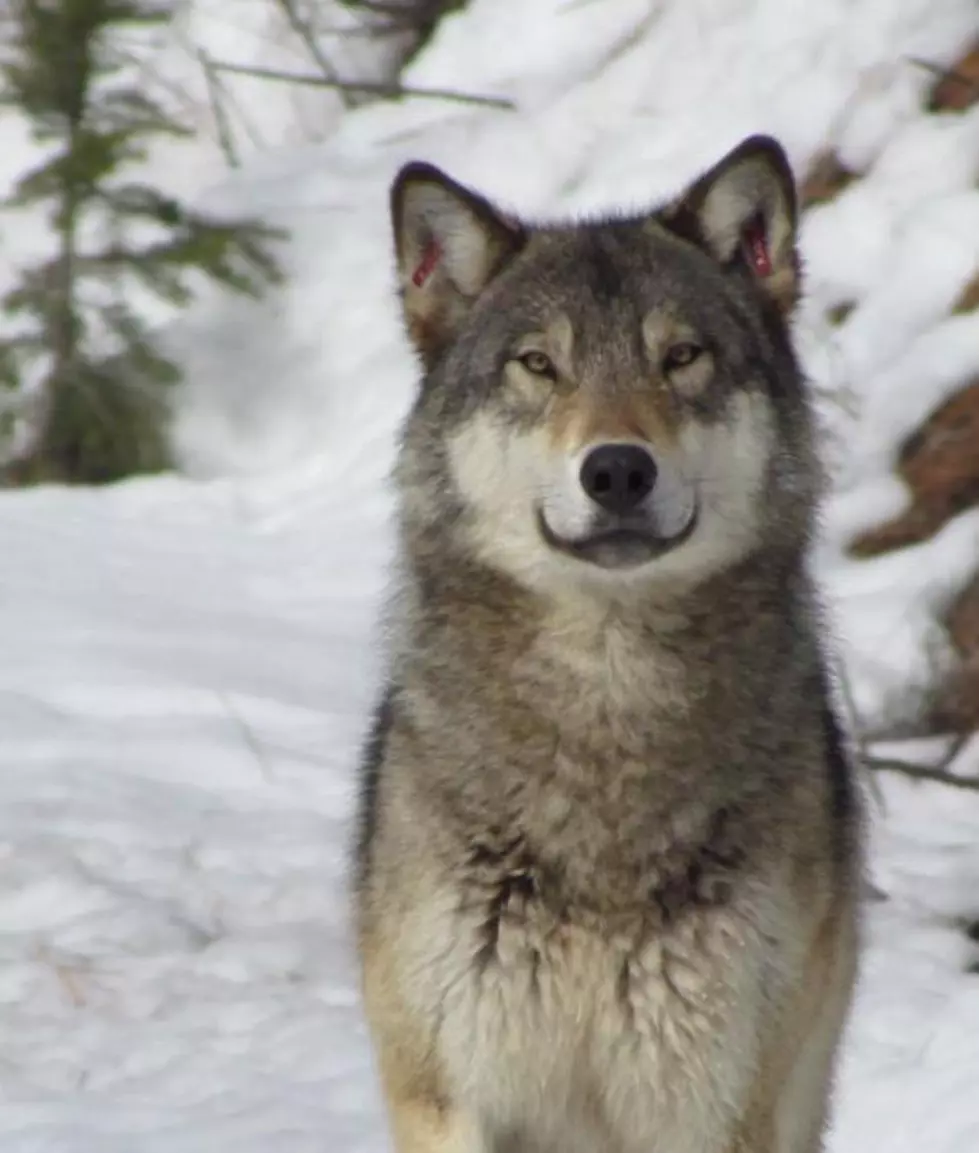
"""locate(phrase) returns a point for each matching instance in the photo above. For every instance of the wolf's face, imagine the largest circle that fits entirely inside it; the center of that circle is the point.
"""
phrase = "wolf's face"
(609, 402)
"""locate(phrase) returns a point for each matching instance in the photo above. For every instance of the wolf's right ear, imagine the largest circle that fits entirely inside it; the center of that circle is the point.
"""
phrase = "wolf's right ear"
(450, 243)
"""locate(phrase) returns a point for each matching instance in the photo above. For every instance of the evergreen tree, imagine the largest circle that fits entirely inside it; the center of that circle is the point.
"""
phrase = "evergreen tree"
(87, 391)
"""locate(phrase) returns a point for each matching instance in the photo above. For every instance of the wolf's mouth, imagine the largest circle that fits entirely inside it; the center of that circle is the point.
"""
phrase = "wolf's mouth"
(624, 543)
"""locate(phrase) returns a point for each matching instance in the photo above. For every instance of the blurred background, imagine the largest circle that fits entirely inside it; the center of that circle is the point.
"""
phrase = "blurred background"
(202, 374)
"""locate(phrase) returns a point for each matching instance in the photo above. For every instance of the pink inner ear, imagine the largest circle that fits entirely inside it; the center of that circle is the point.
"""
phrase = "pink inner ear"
(430, 257)
(757, 245)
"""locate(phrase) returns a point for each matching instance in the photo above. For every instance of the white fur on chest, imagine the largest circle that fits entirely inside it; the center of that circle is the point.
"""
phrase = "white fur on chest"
(632, 1042)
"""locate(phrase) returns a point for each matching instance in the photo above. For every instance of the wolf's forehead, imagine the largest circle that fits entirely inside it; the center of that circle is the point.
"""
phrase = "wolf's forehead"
(602, 258)
(611, 275)
(600, 293)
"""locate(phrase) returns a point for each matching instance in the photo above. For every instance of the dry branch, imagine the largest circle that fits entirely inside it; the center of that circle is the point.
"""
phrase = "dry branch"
(380, 89)
(940, 773)
(216, 96)
(307, 35)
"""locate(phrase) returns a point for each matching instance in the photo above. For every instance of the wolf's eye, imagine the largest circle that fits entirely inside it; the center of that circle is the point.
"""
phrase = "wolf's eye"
(539, 363)
(680, 355)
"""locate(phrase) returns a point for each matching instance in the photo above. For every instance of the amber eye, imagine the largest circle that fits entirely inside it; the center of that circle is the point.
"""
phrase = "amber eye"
(680, 355)
(539, 363)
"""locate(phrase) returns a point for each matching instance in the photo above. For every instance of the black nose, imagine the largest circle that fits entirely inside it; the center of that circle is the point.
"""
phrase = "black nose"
(618, 476)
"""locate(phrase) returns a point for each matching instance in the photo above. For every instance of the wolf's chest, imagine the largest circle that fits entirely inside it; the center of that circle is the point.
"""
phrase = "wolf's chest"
(572, 1026)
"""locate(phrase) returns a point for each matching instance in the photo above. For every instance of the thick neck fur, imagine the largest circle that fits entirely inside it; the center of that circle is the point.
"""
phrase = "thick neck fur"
(592, 727)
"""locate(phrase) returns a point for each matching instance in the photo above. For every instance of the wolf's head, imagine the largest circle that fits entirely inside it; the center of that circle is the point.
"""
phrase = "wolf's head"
(609, 402)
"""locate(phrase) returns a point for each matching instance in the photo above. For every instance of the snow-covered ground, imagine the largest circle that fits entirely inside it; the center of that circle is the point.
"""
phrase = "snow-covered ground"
(187, 664)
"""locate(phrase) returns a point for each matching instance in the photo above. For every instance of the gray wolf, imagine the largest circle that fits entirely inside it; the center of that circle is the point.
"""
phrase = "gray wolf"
(609, 851)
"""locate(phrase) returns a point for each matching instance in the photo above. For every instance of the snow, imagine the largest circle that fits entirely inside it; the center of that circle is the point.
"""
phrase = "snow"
(185, 676)
(188, 663)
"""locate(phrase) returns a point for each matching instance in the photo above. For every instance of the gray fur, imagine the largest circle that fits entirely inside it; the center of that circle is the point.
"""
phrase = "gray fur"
(584, 783)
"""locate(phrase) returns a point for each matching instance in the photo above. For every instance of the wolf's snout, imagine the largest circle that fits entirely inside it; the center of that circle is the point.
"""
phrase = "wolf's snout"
(618, 477)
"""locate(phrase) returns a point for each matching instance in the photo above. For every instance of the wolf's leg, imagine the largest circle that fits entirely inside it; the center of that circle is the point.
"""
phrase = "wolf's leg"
(423, 1119)
(792, 1100)
(429, 1127)
(806, 1096)
(422, 1114)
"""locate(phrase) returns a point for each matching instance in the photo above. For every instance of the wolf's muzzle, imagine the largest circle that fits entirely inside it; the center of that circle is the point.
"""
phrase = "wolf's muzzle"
(617, 542)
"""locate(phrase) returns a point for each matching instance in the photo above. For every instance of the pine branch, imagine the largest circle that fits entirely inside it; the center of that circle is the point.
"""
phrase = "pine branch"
(380, 89)
(103, 383)
(65, 324)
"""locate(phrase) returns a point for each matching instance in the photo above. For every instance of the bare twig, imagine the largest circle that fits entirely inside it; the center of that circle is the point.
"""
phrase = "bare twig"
(380, 89)
(940, 773)
(922, 773)
(237, 119)
(307, 34)
(216, 96)
(945, 73)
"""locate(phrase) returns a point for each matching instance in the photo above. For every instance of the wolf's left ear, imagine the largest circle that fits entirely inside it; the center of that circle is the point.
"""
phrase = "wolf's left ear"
(450, 244)
(744, 211)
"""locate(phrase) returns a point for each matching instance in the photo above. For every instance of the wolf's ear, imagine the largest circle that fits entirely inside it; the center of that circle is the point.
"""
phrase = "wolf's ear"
(450, 243)
(743, 211)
